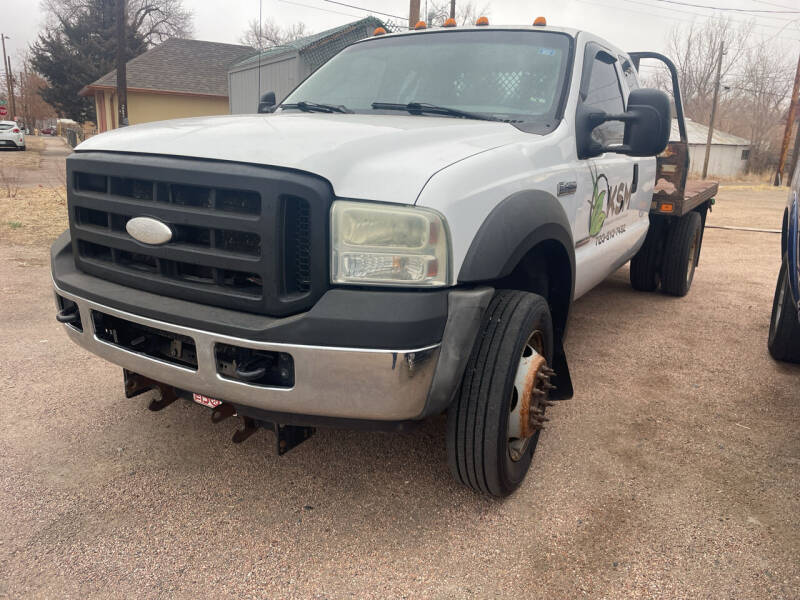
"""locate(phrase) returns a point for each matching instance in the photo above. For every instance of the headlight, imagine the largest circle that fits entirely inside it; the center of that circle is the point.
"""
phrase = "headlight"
(380, 244)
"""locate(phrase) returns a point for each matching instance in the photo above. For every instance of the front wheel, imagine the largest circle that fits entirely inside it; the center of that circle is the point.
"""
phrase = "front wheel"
(784, 326)
(493, 424)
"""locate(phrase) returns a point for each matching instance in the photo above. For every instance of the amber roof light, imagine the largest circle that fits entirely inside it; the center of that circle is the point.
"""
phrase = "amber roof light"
(451, 22)
(482, 21)
(420, 25)
(379, 31)
(540, 21)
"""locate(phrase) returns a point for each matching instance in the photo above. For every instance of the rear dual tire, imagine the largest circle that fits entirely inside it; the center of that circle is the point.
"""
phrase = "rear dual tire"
(680, 255)
(673, 267)
(478, 448)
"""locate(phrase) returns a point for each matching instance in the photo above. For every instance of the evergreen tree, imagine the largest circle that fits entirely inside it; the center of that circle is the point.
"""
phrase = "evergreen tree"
(80, 46)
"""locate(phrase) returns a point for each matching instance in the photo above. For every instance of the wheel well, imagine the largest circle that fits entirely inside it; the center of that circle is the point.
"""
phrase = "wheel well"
(545, 270)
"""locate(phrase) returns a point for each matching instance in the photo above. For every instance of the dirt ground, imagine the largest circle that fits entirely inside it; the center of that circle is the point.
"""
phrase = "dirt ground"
(673, 473)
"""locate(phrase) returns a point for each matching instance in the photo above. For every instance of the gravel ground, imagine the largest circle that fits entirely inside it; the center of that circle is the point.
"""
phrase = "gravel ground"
(673, 473)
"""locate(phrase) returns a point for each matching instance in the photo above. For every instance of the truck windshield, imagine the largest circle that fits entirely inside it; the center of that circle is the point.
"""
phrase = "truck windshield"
(509, 75)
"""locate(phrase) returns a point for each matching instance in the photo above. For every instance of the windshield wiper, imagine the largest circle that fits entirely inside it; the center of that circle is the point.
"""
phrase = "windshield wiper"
(418, 108)
(318, 107)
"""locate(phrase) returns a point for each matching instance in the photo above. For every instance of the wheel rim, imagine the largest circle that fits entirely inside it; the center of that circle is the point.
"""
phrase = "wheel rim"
(692, 258)
(776, 318)
(528, 396)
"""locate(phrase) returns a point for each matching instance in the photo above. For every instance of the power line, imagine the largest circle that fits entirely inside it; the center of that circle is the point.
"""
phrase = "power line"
(327, 10)
(728, 8)
(369, 10)
(771, 3)
(694, 14)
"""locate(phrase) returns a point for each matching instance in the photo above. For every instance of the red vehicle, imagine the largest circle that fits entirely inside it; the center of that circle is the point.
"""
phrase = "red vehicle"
(49, 131)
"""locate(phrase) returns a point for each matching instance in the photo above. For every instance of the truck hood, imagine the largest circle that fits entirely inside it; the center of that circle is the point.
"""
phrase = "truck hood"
(375, 157)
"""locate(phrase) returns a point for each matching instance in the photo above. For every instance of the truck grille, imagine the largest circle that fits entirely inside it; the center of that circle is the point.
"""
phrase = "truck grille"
(243, 237)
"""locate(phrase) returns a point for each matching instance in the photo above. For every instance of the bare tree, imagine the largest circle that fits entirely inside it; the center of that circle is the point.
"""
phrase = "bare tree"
(271, 34)
(32, 106)
(756, 82)
(757, 100)
(466, 12)
(154, 20)
(695, 50)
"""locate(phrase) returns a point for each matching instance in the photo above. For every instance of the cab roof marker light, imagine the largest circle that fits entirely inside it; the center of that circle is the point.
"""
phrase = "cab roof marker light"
(379, 31)
(540, 21)
(420, 25)
(451, 22)
(482, 22)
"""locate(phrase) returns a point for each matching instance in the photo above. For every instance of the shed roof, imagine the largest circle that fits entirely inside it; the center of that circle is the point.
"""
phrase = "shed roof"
(332, 40)
(179, 66)
(698, 134)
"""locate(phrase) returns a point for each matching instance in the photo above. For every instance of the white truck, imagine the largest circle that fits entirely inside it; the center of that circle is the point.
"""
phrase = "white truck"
(402, 236)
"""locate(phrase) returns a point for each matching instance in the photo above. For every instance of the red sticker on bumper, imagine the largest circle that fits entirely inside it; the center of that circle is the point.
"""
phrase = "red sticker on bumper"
(206, 401)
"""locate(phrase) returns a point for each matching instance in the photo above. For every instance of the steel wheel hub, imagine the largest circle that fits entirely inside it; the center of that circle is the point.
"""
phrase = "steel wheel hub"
(529, 396)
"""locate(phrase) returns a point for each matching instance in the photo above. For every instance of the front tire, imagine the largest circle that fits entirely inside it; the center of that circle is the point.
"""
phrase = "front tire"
(784, 326)
(480, 453)
(680, 254)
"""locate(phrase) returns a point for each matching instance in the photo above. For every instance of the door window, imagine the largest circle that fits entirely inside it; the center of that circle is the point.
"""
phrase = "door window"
(605, 94)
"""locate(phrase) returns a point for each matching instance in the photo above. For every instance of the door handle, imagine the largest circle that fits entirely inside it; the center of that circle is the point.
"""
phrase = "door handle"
(635, 183)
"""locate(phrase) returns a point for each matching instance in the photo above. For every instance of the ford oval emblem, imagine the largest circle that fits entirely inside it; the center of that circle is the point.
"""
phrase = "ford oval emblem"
(148, 231)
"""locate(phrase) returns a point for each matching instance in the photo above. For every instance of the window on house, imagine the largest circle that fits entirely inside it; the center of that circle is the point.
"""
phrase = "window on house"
(746, 154)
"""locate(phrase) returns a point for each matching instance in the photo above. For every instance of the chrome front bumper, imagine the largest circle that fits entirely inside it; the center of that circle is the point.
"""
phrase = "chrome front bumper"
(349, 383)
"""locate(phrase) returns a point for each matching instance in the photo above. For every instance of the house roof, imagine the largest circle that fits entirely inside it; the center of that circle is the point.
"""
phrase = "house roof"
(338, 36)
(698, 134)
(179, 66)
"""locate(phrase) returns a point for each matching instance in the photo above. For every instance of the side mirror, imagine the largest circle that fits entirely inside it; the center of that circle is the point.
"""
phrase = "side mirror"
(267, 104)
(647, 126)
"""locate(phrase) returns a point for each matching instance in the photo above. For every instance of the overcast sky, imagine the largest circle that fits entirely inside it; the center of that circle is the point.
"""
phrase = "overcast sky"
(630, 24)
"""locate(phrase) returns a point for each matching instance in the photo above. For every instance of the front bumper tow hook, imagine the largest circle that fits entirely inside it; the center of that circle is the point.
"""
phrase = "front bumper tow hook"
(222, 412)
(68, 315)
(250, 427)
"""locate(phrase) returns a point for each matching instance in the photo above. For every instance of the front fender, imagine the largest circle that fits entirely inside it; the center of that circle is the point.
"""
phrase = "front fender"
(511, 230)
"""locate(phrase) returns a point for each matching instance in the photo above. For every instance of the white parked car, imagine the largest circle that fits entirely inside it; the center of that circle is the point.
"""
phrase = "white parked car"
(12, 135)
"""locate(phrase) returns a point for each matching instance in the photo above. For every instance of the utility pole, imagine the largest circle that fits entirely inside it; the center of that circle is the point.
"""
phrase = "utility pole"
(413, 13)
(713, 108)
(122, 83)
(3, 38)
(452, 9)
(795, 154)
(787, 133)
(11, 85)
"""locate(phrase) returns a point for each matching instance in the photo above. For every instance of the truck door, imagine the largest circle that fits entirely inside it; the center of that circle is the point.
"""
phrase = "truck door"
(612, 219)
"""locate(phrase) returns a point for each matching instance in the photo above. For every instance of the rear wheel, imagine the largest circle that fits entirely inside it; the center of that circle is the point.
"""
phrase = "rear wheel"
(645, 265)
(784, 326)
(493, 424)
(680, 254)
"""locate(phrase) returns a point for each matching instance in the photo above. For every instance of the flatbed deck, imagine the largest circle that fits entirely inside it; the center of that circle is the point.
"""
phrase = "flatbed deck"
(696, 192)
(674, 195)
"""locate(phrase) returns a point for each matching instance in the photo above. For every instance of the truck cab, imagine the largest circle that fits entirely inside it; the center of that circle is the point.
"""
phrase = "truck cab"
(402, 236)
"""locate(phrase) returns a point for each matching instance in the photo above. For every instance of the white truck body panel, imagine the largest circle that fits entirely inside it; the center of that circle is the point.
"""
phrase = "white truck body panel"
(385, 158)
(462, 168)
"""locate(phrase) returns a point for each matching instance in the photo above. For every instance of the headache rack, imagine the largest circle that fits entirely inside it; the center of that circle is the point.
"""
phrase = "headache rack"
(244, 237)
